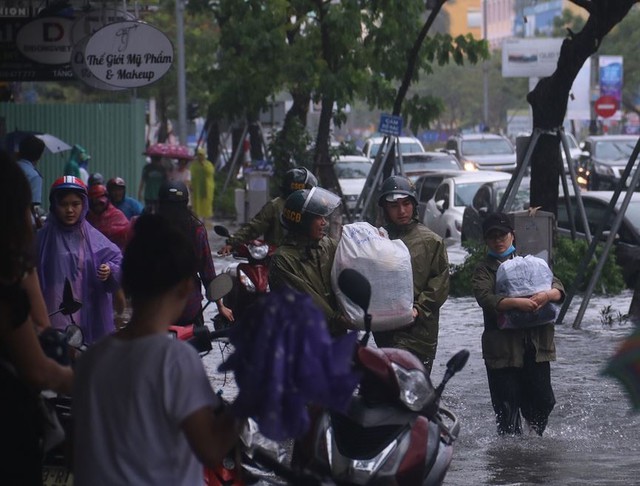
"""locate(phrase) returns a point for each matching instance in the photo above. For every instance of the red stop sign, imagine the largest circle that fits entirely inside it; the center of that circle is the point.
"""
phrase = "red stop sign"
(606, 106)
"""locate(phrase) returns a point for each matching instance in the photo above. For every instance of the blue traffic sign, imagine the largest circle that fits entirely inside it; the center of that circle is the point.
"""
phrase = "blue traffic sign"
(390, 125)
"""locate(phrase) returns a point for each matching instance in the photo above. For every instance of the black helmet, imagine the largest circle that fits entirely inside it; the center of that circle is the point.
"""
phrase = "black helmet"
(296, 179)
(173, 191)
(96, 178)
(397, 187)
(302, 206)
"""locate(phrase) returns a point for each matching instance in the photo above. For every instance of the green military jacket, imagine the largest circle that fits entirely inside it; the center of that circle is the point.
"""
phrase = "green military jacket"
(502, 348)
(430, 268)
(305, 265)
(265, 223)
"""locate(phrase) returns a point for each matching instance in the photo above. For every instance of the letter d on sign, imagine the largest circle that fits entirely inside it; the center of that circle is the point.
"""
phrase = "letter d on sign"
(52, 32)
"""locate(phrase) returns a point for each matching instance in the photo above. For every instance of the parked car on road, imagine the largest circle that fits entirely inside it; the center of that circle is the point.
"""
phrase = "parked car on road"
(416, 164)
(486, 200)
(486, 150)
(604, 159)
(627, 243)
(406, 145)
(352, 172)
(443, 212)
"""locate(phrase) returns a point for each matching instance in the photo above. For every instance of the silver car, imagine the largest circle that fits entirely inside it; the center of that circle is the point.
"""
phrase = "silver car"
(486, 150)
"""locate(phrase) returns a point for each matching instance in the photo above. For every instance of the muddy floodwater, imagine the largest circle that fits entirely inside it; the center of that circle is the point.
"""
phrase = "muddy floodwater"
(593, 437)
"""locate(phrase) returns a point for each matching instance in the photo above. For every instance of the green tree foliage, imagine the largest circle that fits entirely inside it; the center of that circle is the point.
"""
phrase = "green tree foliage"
(460, 90)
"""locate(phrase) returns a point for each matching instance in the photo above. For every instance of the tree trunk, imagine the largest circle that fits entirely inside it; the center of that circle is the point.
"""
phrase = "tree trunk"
(255, 141)
(212, 129)
(549, 98)
(322, 164)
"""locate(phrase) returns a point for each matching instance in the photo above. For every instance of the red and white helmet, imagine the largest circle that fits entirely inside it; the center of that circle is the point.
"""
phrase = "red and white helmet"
(67, 183)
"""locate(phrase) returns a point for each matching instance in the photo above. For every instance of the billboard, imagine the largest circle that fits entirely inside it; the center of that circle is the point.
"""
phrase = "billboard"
(530, 57)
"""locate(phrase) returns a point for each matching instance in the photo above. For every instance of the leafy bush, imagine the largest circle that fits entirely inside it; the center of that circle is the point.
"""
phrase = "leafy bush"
(567, 257)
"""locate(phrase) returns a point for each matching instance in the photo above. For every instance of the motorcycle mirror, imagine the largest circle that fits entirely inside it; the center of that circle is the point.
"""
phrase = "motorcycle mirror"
(220, 286)
(69, 304)
(457, 361)
(221, 231)
(74, 336)
(355, 286)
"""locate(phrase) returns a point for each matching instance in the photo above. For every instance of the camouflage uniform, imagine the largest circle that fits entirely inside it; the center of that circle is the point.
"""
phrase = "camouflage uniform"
(266, 224)
(305, 265)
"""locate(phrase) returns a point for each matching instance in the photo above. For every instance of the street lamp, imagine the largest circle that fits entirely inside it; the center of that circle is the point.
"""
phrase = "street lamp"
(182, 89)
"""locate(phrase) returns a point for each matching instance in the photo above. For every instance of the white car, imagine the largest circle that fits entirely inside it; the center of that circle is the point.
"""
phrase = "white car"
(443, 212)
(407, 145)
(352, 172)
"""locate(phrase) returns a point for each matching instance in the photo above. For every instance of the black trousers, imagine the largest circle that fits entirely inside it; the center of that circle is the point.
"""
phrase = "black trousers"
(526, 391)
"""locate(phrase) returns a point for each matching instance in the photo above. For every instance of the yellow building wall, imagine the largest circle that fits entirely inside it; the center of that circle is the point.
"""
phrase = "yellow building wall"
(458, 12)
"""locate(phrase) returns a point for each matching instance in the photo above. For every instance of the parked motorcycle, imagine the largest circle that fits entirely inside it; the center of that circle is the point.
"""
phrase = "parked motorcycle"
(395, 431)
(199, 336)
(62, 346)
(250, 277)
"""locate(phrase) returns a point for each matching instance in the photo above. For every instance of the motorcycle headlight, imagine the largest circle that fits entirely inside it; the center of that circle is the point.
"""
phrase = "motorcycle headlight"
(603, 169)
(258, 252)
(246, 281)
(415, 388)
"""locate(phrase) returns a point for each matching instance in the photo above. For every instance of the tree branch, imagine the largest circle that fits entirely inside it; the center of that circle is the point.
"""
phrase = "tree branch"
(585, 4)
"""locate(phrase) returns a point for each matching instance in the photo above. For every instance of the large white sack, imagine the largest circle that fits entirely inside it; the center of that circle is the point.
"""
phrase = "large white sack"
(523, 276)
(387, 266)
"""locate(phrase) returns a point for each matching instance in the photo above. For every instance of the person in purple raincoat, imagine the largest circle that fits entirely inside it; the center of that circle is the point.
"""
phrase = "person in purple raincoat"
(70, 248)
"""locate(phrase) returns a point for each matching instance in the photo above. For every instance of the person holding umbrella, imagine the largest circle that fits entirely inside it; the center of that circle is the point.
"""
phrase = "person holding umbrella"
(30, 151)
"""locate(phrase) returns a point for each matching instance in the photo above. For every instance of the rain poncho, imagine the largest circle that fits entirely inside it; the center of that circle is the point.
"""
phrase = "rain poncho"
(75, 252)
(202, 187)
(285, 359)
(112, 223)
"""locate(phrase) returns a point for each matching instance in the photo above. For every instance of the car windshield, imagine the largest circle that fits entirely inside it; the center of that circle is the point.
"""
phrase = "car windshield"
(465, 192)
(613, 149)
(521, 200)
(429, 163)
(353, 170)
(405, 148)
(488, 146)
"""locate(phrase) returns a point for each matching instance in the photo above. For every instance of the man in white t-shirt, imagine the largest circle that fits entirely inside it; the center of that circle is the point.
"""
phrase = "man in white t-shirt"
(144, 410)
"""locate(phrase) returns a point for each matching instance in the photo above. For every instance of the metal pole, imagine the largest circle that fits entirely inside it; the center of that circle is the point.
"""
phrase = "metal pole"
(516, 179)
(485, 70)
(605, 251)
(182, 90)
(596, 238)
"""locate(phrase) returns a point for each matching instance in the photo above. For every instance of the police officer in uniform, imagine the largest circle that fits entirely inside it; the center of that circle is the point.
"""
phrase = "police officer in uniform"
(430, 268)
(305, 257)
(267, 222)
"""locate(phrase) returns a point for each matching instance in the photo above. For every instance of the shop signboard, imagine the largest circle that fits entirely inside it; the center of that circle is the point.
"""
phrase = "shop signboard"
(128, 54)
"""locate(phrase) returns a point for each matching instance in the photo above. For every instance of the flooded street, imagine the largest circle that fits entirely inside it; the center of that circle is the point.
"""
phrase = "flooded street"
(592, 437)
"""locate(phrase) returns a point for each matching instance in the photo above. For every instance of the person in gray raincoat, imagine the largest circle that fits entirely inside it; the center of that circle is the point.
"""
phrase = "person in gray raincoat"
(266, 222)
(305, 257)
(430, 268)
(517, 360)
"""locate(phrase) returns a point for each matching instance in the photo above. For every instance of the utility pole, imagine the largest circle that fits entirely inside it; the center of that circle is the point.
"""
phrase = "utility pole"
(182, 85)
(485, 70)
